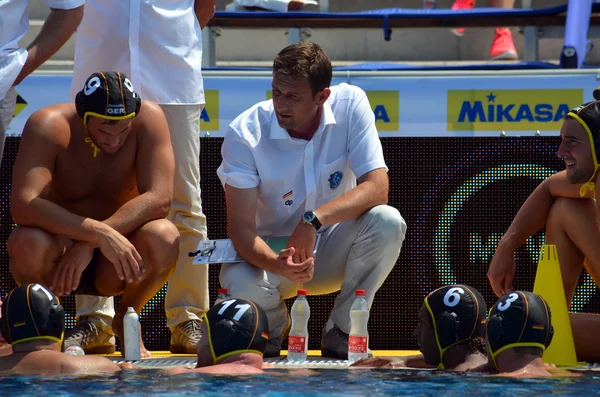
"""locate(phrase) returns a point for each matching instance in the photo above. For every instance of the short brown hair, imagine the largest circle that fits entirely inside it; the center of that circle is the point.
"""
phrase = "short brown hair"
(305, 60)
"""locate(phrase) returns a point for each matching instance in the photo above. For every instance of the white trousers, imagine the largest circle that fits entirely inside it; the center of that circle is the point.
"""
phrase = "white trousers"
(187, 292)
(7, 109)
(355, 254)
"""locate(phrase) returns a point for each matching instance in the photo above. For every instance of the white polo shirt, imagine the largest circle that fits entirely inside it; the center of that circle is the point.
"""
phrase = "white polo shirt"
(294, 175)
(14, 24)
(156, 43)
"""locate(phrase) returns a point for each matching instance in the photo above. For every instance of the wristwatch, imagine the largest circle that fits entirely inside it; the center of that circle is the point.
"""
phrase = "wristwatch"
(310, 218)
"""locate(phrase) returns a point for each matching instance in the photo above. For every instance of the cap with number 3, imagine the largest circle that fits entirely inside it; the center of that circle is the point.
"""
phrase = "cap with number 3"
(519, 319)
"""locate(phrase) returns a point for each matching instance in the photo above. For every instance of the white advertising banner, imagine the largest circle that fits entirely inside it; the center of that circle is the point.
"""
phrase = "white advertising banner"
(405, 104)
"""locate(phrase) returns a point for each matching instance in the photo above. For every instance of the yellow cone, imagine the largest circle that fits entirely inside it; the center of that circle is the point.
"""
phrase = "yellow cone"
(548, 284)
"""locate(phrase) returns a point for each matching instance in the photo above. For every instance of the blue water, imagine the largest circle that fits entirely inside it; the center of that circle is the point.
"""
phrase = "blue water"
(305, 383)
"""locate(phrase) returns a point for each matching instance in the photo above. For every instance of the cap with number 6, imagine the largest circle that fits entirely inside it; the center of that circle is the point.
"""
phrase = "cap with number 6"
(32, 312)
(519, 319)
(458, 315)
(236, 326)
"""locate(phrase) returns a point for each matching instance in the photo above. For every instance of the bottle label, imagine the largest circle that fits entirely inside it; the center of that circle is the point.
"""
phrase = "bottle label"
(357, 344)
(296, 344)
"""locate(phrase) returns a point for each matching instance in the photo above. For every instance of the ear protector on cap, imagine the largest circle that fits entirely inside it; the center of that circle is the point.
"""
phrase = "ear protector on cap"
(32, 312)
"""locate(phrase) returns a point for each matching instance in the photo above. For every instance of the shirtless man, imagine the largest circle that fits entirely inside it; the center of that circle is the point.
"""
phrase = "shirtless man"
(236, 333)
(33, 321)
(92, 184)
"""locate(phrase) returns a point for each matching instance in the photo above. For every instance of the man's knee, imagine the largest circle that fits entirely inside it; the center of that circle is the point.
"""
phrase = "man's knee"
(388, 223)
(29, 249)
(246, 281)
(160, 241)
(565, 209)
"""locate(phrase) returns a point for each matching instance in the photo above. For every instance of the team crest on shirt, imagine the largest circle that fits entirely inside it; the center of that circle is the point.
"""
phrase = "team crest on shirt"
(287, 198)
(335, 179)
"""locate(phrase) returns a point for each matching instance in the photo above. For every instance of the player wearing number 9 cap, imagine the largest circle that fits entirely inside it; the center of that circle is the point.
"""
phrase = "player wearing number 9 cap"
(518, 330)
(450, 332)
(33, 322)
(92, 185)
(235, 336)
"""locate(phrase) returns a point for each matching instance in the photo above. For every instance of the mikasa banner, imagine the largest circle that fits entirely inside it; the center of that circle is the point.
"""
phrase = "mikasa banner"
(405, 104)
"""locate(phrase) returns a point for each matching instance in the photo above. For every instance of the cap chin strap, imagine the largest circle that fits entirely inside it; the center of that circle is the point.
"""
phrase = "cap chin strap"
(45, 337)
(210, 344)
(442, 351)
(494, 354)
(589, 186)
(93, 145)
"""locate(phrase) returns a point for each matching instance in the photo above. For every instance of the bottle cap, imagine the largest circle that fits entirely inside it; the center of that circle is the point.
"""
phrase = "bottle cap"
(130, 310)
(221, 291)
(302, 292)
(361, 292)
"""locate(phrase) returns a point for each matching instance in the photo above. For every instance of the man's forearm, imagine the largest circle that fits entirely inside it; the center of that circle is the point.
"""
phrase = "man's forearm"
(137, 212)
(204, 10)
(253, 248)
(352, 204)
(530, 218)
(58, 28)
(55, 219)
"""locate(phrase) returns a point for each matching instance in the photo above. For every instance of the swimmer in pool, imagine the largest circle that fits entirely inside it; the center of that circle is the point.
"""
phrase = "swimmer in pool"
(450, 332)
(33, 322)
(518, 331)
(91, 187)
(236, 333)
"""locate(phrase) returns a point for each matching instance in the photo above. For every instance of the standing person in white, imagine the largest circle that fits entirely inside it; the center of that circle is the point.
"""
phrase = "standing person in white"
(158, 44)
(290, 168)
(17, 63)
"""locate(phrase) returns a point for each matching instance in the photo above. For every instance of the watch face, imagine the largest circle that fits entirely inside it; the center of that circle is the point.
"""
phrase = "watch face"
(308, 217)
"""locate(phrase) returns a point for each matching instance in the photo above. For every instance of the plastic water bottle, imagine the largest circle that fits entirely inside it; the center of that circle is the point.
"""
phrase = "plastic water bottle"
(222, 295)
(131, 335)
(358, 340)
(75, 351)
(428, 4)
(298, 338)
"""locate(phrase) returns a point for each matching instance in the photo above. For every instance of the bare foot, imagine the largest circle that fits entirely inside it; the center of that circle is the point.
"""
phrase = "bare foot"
(117, 326)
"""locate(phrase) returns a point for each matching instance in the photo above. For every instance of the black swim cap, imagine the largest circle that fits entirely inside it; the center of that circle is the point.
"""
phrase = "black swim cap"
(32, 312)
(236, 326)
(458, 315)
(108, 95)
(519, 319)
(588, 115)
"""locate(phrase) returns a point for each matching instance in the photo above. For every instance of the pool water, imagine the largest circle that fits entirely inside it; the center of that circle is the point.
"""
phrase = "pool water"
(306, 383)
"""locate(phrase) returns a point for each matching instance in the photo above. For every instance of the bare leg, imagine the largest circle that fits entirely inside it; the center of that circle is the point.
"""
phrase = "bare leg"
(157, 242)
(585, 328)
(34, 254)
(571, 226)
